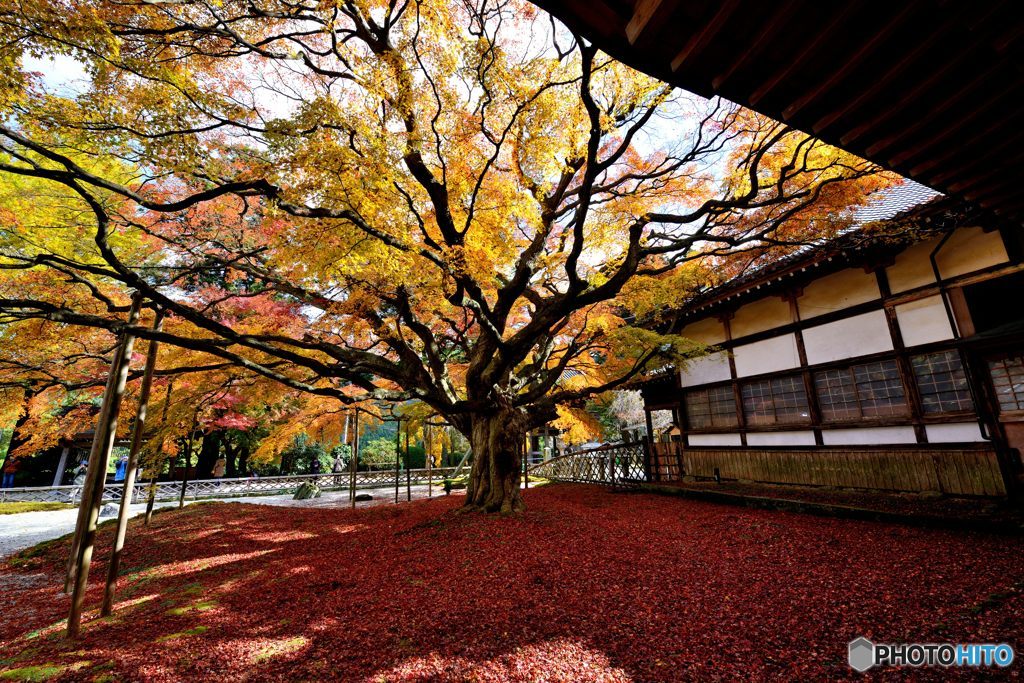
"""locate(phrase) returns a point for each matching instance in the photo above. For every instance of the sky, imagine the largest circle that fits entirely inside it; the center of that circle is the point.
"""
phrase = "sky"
(61, 74)
(66, 76)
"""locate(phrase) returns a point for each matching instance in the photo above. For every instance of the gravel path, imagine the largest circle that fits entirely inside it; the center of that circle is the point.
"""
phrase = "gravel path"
(26, 529)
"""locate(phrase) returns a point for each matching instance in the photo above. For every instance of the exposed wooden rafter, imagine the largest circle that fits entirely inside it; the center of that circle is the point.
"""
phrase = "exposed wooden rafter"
(701, 37)
(927, 88)
(814, 93)
(813, 45)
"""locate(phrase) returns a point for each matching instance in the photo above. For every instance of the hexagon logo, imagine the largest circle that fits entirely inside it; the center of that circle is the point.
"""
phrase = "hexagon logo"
(861, 654)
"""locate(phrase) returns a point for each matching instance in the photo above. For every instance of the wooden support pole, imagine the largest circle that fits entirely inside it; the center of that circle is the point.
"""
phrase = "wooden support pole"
(93, 462)
(151, 495)
(526, 463)
(354, 459)
(61, 466)
(92, 496)
(649, 443)
(428, 442)
(408, 474)
(398, 451)
(130, 471)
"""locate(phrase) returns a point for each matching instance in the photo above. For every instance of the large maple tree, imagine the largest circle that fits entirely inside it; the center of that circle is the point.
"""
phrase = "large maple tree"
(457, 203)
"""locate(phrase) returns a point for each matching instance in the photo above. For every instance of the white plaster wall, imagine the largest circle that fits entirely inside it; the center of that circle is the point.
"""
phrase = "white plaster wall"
(954, 433)
(706, 369)
(868, 436)
(968, 250)
(780, 438)
(707, 331)
(769, 355)
(838, 291)
(714, 440)
(911, 268)
(923, 321)
(859, 335)
(766, 314)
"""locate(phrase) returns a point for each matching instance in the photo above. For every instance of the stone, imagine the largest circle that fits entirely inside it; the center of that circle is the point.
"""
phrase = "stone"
(307, 490)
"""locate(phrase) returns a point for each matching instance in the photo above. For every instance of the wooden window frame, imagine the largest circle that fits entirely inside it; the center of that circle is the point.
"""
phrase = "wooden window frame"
(730, 397)
(964, 392)
(796, 383)
(856, 389)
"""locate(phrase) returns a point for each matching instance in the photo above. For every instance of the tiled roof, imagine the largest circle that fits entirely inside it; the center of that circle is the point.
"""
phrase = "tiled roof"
(906, 201)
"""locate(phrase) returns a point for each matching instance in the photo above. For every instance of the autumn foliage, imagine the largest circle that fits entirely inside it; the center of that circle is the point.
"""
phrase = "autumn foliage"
(463, 205)
(587, 585)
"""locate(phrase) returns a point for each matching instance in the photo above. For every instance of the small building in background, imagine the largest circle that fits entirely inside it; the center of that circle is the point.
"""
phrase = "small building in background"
(874, 362)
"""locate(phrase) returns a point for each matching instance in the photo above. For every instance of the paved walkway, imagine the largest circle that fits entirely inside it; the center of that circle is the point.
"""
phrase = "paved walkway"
(26, 529)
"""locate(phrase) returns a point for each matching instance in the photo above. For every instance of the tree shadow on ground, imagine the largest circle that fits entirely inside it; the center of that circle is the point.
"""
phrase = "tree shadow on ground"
(586, 585)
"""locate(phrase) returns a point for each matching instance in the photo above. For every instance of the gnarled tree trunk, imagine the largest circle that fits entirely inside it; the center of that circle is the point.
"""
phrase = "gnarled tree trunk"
(497, 441)
(208, 455)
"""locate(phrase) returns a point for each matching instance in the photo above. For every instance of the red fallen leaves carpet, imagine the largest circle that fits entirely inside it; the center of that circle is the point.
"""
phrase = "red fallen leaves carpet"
(588, 585)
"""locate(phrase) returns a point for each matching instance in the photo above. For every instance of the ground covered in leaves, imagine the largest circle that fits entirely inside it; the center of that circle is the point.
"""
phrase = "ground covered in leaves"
(586, 585)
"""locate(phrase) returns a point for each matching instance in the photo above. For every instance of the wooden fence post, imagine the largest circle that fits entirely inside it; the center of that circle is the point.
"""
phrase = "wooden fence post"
(428, 442)
(130, 471)
(408, 474)
(354, 458)
(398, 450)
(92, 496)
(650, 437)
(151, 494)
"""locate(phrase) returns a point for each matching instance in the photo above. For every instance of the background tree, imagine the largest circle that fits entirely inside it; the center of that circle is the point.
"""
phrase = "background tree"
(455, 203)
(380, 452)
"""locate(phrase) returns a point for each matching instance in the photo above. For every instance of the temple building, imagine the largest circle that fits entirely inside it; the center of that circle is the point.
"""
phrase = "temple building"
(889, 363)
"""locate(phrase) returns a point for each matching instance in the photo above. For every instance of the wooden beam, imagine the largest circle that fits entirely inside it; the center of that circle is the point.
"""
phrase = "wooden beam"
(850, 63)
(648, 15)
(910, 98)
(700, 39)
(941, 33)
(878, 84)
(971, 181)
(993, 132)
(777, 21)
(1002, 42)
(992, 162)
(994, 195)
(825, 34)
(975, 28)
(85, 492)
(952, 129)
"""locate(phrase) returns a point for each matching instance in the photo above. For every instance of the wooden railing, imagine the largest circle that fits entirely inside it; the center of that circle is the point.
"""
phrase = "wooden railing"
(229, 488)
(616, 464)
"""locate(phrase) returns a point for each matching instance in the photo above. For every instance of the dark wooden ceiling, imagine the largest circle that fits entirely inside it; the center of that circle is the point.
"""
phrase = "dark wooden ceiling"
(930, 89)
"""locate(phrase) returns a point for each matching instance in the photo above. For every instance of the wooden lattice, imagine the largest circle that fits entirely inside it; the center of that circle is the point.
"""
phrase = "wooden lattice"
(227, 488)
(615, 464)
